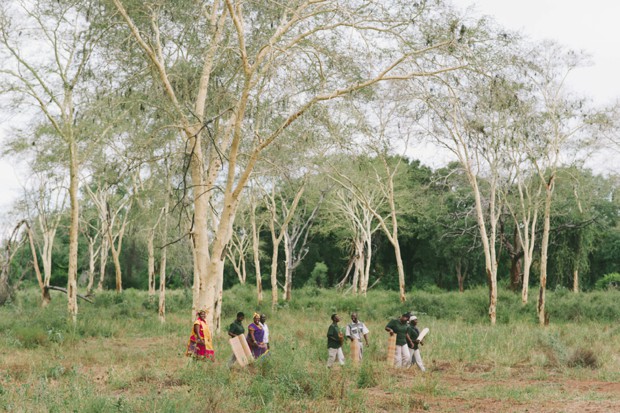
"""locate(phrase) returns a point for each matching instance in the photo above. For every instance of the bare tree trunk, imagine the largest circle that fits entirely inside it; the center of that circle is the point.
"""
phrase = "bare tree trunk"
(103, 260)
(202, 278)
(256, 254)
(367, 236)
(515, 251)
(358, 273)
(92, 258)
(460, 275)
(488, 244)
(45, 295)
(576, 280)
(162, 266)
(115, 250)
(540, 308)
(274, 268)
(48, 243)
(73, 231)
(288, 268)
(401, 270)
(151, 262)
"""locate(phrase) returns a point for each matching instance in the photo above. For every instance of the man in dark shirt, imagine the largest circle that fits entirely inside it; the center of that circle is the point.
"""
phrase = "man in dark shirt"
(334, 342)
(235, 329)
(402, 357)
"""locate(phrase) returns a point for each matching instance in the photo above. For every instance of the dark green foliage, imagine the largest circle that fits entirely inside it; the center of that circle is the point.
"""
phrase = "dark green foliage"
(318, 276)
(609, 281)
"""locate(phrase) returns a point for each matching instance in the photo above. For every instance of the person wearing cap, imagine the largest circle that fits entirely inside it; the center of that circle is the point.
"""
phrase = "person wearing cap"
(399, 326)
(355, 330)
(236, 329)
(334, 343)
(414, 343)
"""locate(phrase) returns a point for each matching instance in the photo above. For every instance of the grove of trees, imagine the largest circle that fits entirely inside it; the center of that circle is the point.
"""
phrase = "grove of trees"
(198, 144)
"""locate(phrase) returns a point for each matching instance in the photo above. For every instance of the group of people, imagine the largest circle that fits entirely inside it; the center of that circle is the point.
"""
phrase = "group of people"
(407, 343)
(200, 345)
(257, 338)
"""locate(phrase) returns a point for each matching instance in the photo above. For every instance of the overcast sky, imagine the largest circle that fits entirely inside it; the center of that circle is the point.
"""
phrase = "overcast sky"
(581, 25)
(589, 26)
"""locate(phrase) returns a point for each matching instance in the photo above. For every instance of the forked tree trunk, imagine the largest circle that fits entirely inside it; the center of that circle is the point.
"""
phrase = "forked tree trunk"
(115, 250)
(461, 273)
(540, 308)
(45, 295)
(358, 262)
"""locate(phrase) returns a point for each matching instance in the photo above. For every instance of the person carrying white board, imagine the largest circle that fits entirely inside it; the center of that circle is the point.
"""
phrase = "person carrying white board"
(415, 340)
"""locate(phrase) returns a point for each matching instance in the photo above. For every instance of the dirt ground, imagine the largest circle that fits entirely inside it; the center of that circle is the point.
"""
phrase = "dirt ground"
(443, 390)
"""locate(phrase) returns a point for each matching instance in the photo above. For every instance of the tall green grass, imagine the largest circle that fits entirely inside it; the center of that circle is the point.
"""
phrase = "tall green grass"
(119, 357)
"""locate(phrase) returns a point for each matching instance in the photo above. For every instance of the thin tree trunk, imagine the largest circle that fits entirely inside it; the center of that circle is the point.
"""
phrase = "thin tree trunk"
(162, 266)
(73, 231)
(45, 295)
(91, 264)
(576, 280)
(256, 254)
(543, 253)
(115, 250)
(288, 268)
(151, 262)
(460, 275)
(105, 246)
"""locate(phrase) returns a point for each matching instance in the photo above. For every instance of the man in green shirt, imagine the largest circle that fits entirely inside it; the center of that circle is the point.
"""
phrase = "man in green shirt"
(402, 357)
(334, 343)
(235, 329)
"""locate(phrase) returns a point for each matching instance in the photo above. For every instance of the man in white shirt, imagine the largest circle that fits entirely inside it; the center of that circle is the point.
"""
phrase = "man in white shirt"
(355, 331)
(263, 317)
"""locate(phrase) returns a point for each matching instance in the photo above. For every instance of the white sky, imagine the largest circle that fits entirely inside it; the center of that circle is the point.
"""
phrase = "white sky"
(582, 25)
(589, 26)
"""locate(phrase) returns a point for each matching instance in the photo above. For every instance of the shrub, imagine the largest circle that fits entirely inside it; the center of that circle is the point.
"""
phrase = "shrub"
(609, 281)
(318, 276)
(367, 376)
(582, 357)
(31, 337)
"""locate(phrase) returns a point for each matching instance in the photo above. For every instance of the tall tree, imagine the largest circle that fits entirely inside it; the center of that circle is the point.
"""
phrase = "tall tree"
(564, 124)
(55, 80)
(287, 53)
(471, 116)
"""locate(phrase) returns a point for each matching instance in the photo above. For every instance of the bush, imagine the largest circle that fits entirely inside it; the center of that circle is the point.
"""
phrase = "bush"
(318, 276)
(583, 358)
(608, 282)
(30, 337)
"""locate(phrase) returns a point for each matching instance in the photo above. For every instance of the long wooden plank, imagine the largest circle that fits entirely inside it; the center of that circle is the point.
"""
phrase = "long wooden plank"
(391, 350)
(355, 351)
(241, 350)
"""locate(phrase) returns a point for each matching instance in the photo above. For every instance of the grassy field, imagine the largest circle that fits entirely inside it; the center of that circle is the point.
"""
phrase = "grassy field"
(120, 358)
